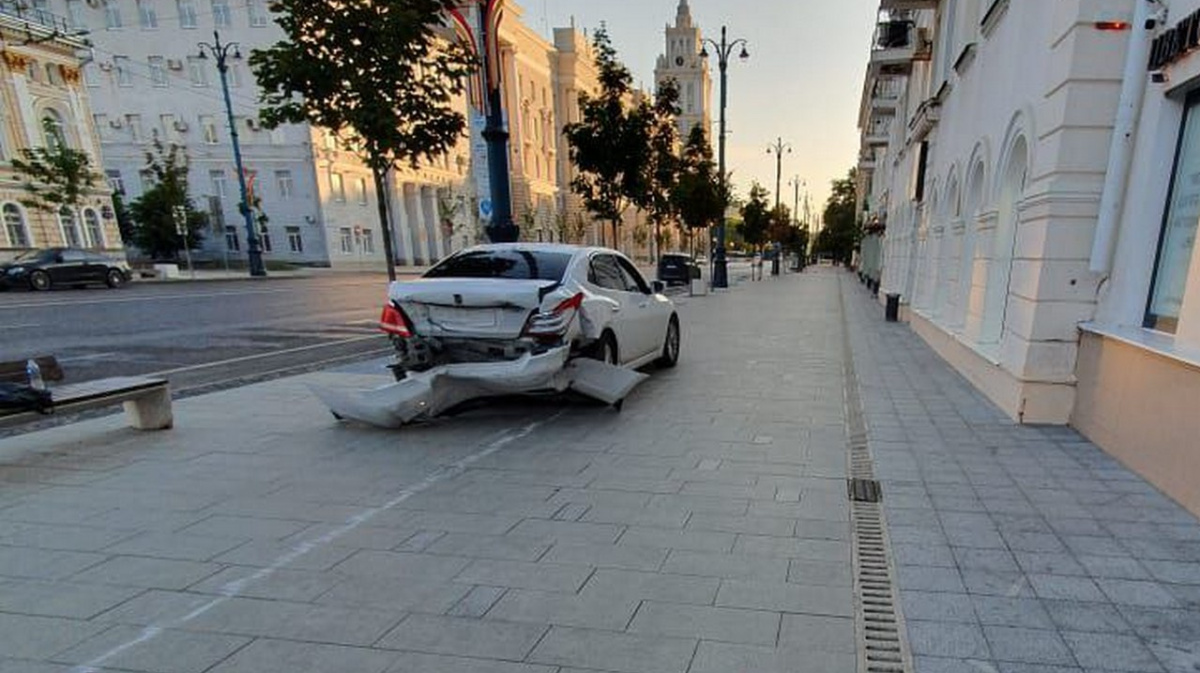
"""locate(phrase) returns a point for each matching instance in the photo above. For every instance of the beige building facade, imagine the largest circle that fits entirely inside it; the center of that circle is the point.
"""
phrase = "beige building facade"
(43, 101)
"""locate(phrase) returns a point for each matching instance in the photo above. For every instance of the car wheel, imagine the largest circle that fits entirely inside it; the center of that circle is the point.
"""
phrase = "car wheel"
(606, 350)
(670, 352)
(39, 280)
(115, 279)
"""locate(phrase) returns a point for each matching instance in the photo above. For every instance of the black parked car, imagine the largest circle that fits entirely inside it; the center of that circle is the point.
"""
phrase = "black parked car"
(63, 267)
(677, 269)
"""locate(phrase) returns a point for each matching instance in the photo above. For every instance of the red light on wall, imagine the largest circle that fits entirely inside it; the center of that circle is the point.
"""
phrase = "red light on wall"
(1112, 25)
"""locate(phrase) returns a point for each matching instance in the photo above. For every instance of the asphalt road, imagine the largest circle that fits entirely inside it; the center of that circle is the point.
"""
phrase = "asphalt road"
(197, 334)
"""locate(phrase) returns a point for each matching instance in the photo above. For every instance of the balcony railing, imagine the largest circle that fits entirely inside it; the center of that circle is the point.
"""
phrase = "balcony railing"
(23, 11)
(888, 88)
(894, 34)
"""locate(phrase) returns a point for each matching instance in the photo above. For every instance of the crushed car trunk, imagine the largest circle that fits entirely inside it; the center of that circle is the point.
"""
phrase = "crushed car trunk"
(428, 394)
(470, 307)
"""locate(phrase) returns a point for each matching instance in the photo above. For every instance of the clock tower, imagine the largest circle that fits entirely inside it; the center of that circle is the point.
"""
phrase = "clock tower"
(682, 63)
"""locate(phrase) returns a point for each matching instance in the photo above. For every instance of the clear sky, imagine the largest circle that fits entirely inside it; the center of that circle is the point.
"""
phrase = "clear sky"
(803, 81)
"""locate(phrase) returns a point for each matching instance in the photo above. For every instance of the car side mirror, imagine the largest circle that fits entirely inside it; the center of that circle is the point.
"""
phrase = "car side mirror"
(658, 286)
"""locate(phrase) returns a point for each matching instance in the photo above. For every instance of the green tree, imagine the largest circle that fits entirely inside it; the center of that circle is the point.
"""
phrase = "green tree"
(663, 164)
(125, 223)
(840, 236)
(698, 196)
(756, 217)
(55, 176)
(376, 73)
(163, 210)
(608, 144)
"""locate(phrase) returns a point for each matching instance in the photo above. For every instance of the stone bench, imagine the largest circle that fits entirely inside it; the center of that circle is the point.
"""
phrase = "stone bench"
(147, 400)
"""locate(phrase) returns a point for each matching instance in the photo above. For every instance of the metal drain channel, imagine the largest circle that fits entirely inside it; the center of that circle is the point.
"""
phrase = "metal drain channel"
(882, 644)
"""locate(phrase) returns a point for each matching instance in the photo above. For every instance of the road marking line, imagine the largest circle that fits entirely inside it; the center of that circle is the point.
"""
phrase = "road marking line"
(141, 298)
(234, 589)
(22, 325)
(259, 356)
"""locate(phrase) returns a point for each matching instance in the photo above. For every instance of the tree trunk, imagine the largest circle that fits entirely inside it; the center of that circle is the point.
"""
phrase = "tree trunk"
(616, 239)
(385, 224)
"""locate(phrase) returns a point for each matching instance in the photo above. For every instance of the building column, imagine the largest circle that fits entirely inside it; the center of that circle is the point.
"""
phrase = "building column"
(433, 227)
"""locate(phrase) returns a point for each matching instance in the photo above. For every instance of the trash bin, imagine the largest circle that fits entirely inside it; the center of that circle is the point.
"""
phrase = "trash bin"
(892, 313)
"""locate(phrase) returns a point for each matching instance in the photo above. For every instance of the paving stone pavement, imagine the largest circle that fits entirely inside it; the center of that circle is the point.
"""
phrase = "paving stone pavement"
(704, 529)
(1019, 549)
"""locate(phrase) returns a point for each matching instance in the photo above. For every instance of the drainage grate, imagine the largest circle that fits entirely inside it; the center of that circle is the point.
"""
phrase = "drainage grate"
(882, 647)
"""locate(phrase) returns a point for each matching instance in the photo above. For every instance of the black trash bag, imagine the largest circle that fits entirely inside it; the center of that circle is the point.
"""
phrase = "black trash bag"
(16, 397)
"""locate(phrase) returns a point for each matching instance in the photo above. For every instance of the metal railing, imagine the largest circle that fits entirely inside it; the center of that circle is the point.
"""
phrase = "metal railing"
(23, 11)
(889, 87)
(894, 34)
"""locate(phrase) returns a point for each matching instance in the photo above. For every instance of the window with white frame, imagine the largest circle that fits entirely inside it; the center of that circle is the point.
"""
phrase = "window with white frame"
(116, 184)
(1178, 228)
(285, 183)
(147, 14)
(93, 229)
(134, 124)
(368, 242)
(100, 121)
(187, 13)
(295, 239)
(124, 74)
(69, 225)
(91, 74)
(208, 126)
(361, 189)
(258, 12)
(338, 186)
(233, 73)
(219, 182)
(264, 238)
(346, 241)
(198, 71)
(112, 15)
(232, 242)
(14, 226)
(222, 17)
(158, 70)
(168, 127)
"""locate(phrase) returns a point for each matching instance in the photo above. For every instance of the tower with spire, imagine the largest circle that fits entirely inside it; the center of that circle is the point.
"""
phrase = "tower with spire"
(681, 62)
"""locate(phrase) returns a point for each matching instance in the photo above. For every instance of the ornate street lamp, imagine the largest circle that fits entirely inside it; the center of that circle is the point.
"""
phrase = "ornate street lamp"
(723, 50)
(222, 52)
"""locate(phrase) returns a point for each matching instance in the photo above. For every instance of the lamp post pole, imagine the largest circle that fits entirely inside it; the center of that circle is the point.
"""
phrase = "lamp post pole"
(503, 229)
(724, 49)
(796, 182)
(221, 52)
(778, 148)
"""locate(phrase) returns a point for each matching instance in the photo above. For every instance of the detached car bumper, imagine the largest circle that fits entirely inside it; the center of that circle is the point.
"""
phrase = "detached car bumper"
(430, 393)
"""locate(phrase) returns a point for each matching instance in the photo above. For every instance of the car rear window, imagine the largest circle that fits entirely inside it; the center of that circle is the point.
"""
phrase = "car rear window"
(508, 264)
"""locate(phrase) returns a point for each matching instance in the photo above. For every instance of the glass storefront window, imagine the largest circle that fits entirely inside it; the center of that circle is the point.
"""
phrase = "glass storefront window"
(1179, 227)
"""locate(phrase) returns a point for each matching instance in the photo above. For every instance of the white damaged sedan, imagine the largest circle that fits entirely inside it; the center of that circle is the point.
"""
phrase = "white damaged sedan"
(497, 303)
(516, 319)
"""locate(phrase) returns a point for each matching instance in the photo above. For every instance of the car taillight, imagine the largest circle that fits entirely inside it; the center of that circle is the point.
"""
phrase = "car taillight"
(394, 322)
(554, 323)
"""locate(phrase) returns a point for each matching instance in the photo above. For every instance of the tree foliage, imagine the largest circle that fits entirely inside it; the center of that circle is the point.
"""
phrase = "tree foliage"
(840, 236)
(756, 217)
(55, 176)
(159, 212)
(698, 197)
(662, 162)
(374, 73)
(608, 144)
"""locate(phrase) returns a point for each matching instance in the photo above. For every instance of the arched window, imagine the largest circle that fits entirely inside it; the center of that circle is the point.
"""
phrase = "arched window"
(14, 226)
(69, 224)
(93, 229)
(54, 129)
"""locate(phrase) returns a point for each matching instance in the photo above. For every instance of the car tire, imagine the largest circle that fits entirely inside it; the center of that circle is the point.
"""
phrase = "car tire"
(670, 352)
(39, 280)
(115, 279)
(606, 350)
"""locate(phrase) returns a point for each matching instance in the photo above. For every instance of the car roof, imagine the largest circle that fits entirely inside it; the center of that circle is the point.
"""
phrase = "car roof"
(561, 248)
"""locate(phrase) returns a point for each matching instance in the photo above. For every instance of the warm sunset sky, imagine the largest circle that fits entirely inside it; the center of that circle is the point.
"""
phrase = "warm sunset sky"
(803, 81)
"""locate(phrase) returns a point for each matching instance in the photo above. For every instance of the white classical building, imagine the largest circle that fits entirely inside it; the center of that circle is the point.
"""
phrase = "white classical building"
(681, 62)
(1029, 189)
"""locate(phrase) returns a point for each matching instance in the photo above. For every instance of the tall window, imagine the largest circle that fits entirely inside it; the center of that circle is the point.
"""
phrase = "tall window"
(283, 179)
(158, 70)
(147, 14)
(134, 123)
(14, 226)
(338, 186)
(168, 126)
(222, 18)
(295, 240)
(232, 242)
(234, 74)
(91, 76)
(187, 13)
(52, 127)
(116, 183)
(70, 228)
(93, 229)
(368, 242)
(258, 12)
(361, 189)
(264, 238)
(75, 14)
(219, 182)
(124, 74)
(346, 240)
(208, 126)
(1179, 227)
(197, 71)
(112, 15)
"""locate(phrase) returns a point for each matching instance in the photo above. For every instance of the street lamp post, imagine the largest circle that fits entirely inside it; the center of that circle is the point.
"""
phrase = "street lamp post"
(221, 52)
(724, 49)
(778, 148)
(796, 183)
